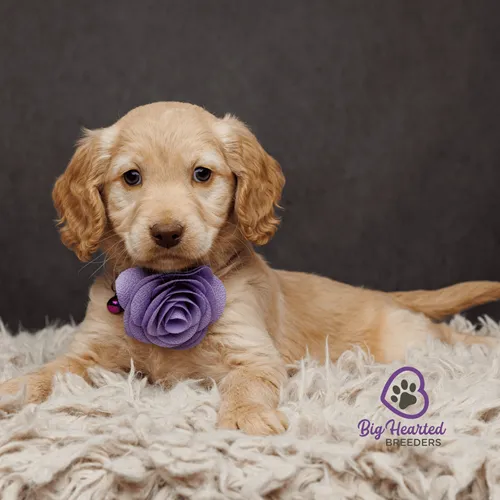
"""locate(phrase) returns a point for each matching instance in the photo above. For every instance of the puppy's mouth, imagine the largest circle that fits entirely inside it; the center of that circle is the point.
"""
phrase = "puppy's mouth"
(188, 253)
(169, 260)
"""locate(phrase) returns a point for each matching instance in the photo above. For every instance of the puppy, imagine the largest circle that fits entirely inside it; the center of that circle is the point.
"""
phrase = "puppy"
(169, 187)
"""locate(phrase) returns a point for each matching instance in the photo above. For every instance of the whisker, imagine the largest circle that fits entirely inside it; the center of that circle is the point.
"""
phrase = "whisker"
(98, 269)
(93, 261)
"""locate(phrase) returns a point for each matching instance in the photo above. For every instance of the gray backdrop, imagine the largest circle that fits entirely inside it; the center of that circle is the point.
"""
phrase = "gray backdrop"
(384, 115)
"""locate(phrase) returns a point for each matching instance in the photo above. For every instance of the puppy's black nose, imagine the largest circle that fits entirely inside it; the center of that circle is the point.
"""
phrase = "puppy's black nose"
(167, 235)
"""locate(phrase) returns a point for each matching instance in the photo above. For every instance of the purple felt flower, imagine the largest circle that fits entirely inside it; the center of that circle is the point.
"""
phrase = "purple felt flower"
(170, 310)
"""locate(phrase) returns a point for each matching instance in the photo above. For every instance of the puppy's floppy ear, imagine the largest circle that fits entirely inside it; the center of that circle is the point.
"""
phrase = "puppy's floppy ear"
(77, 197)
(259, 180)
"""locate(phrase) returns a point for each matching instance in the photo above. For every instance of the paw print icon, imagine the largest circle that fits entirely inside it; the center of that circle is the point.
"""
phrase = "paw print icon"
(404, 393)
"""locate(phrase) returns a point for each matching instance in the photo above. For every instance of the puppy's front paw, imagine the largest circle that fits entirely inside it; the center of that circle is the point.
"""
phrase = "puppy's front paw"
(10, 387)
(257, 420)
(26, 389)
(11, 396)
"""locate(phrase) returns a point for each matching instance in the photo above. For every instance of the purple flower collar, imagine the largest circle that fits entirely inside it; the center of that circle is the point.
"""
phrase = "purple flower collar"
(171, 310)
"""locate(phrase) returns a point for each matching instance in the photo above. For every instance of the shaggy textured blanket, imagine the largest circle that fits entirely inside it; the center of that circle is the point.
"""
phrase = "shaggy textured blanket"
(126, 439)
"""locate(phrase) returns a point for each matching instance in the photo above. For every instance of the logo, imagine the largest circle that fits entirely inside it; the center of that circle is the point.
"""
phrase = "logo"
(404, 395)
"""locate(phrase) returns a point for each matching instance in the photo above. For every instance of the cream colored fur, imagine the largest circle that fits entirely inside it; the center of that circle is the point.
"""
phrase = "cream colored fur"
(272, 318)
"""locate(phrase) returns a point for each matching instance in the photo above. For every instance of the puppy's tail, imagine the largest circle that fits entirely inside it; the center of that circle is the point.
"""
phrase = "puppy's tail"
(439, 304)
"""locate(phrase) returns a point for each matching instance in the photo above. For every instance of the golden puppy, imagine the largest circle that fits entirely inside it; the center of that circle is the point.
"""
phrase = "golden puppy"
(170, 186)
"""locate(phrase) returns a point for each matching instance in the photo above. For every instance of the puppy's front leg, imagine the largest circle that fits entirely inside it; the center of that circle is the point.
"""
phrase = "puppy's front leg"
(249, 401)
(87, 350)
(250, 386)
(38, 384)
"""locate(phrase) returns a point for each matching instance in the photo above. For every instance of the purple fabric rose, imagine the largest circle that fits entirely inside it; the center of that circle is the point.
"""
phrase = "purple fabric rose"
(171, 310)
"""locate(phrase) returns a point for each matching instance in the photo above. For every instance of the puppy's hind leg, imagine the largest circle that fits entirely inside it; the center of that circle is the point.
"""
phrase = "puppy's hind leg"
(401, 329)
(449, 335)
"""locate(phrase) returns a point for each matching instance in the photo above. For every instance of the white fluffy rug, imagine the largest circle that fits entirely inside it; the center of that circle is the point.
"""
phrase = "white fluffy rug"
(129, 440)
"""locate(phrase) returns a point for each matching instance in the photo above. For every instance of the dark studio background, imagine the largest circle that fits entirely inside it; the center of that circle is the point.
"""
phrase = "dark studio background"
(383, 114)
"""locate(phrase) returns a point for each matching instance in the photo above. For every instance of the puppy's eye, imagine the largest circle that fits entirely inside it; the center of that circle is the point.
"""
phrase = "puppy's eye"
(132, 177)
(202, 174)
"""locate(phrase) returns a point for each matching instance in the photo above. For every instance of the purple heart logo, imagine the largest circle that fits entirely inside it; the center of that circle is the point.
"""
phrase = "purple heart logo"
(400, 394)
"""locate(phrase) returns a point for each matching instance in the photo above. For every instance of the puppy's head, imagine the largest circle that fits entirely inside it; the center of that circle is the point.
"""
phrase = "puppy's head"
(163, 183)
